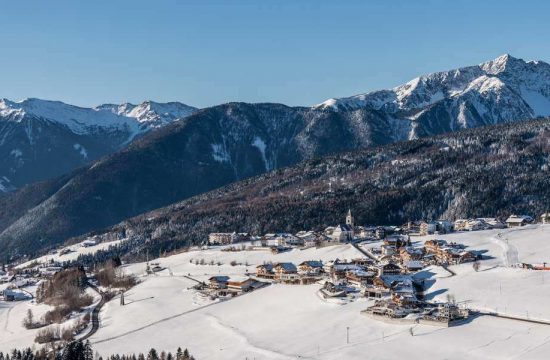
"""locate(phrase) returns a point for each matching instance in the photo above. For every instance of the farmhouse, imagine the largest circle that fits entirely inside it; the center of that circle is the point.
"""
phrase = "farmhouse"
(311, 267)
(222, 238)
(427, 228)
(240, 284)
(360, 277)
(218, 282)
(409, 253)
(89, 243)
(460, 224)
(413, 265)
(518, 220)
(286, 272)
(388, 269)
(265, 271)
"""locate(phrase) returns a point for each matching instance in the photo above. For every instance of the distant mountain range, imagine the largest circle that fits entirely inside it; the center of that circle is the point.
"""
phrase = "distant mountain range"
(216, 146)
(42, 139)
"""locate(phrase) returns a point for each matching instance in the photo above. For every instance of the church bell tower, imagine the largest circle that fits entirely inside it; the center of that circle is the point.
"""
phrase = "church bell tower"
(349, 219)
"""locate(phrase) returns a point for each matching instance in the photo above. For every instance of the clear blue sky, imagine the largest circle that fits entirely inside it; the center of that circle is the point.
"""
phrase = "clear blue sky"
(208, 52)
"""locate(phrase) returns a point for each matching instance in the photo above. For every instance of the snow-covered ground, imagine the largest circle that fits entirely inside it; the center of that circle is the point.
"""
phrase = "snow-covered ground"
(75, 251)
(291, 321)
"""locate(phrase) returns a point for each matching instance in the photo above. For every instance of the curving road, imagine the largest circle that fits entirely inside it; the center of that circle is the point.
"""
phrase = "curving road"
(95, 313)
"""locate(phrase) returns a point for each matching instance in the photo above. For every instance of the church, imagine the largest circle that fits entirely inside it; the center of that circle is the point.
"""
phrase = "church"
(344, 232)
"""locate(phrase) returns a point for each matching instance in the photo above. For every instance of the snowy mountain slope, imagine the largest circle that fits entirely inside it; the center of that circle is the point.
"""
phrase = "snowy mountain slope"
(40, 139)
(502, 90)
(150, 113)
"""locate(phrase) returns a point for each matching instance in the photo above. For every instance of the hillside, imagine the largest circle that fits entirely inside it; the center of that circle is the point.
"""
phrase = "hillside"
(489, 171)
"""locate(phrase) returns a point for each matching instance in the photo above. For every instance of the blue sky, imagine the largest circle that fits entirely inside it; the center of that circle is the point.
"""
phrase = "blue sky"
(208, 52)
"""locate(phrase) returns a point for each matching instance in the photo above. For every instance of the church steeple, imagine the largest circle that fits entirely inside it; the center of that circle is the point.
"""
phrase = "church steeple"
(349, 218)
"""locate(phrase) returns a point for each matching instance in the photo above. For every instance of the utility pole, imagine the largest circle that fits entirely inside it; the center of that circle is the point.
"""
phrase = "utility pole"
(122, 298)
(347, 334)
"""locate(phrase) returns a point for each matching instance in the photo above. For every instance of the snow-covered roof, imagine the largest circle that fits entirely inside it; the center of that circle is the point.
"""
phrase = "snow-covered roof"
(413, 264)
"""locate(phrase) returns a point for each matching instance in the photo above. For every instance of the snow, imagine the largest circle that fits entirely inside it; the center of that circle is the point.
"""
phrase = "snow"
(537, 101)
(16, 153)
(504, 89)
(75, 251)
(291, 321)
(133, 119)
(150, 112)
(288, 322)
(81, 150)
(260, 145)
(220, 154)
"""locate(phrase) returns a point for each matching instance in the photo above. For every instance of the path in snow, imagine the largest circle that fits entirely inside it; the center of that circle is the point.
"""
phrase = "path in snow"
(7, 320)
(510, 252)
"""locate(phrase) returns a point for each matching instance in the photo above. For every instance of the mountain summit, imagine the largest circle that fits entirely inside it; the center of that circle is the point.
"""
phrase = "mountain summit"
(501, 90)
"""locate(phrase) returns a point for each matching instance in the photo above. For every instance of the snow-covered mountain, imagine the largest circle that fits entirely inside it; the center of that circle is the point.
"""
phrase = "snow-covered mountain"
(40, 139)
(150, 113)
(501, 90)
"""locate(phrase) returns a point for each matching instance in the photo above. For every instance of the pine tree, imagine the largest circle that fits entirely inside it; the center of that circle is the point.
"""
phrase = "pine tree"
(152, 355)
(88, 351)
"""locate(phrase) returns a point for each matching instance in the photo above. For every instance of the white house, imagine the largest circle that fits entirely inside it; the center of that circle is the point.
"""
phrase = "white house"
(518, 220)
(493, 223)
(545, 218)
(89, 243)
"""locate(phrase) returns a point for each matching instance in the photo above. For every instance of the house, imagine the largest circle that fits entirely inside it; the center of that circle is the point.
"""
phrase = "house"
(359, 277)
(339, 268)
(545, 218)
(240, 283)
(309, 238)
(265, 271)
(342, 233)
(286, 273)
(279, 239)
(363, 232)
(427, 228)
(388, 250)
(311, 267)
(444, 226)
(413, 265)
(14, 295)
(518, 220)
(434, 245)
(218, 282)
(89, 243)
(409, 253)
(493, 223)
(388, 269)
(460, 224)
(397, 241)
(474, 225)
(222, 238)
(380, 232)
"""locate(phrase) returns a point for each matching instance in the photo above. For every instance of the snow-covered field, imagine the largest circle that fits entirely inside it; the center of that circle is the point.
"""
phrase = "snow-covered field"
(74, 252)
(289, 322)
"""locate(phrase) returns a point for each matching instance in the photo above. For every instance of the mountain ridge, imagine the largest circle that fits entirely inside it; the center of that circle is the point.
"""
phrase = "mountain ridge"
(41, 139)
